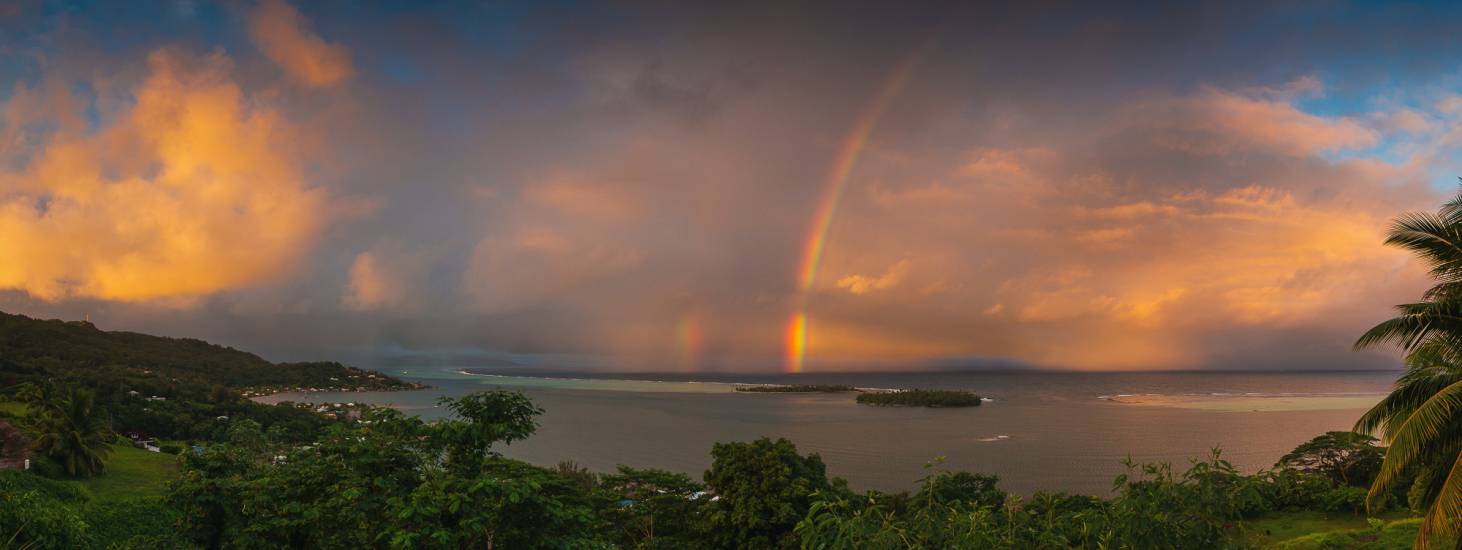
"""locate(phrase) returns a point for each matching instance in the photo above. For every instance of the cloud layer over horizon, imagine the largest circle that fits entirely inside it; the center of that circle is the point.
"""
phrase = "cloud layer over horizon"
(633, 186)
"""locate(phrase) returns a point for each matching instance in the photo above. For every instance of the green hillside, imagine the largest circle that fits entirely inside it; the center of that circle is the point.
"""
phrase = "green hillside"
(175, 388)
(70, 347)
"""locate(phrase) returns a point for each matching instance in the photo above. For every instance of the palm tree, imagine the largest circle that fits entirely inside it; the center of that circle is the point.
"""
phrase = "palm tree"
(69, 428)
(1422, 417)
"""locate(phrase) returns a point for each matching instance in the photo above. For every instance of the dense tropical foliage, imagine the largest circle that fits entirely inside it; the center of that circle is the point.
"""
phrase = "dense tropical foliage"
(922, 398)
(391, 480)
(1348, 458)
(69, 427)
(1421, 420)
(266, 478)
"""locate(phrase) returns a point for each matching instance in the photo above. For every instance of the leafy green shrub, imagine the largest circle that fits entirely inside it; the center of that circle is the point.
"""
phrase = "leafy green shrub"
(136, 523)
(975, 489)
(170, 449)
(1343, 499)
(29, 481)
(36, 513)
(1296, 490)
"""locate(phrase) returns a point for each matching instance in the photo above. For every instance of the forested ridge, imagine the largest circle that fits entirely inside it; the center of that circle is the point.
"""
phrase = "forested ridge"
(172, 388)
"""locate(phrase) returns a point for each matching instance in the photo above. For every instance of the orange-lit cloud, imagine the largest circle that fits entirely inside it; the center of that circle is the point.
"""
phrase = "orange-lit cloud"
(863, 284)
(1138, 263)
(284, 35)
(369, 288)
(645, 190)
(190, 190)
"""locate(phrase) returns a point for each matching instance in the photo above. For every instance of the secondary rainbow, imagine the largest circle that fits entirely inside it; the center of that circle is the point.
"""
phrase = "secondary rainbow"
(837, 182)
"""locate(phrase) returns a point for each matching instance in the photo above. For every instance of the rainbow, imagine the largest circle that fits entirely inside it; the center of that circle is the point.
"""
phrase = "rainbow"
(837, 182)
(688, 337)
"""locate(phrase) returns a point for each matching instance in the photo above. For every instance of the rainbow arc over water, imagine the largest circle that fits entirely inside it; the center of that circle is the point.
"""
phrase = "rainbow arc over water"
(851, 148)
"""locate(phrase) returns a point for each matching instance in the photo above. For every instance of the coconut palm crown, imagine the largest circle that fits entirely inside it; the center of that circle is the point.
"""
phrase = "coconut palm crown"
(1421, 419)
(70, 428)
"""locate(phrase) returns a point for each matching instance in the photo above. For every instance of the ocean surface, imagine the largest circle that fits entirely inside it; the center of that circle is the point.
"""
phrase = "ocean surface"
(1040, 430)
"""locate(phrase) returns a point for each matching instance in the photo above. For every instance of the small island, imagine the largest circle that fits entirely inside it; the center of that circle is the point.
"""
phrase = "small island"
(797, 388)
(922, 398)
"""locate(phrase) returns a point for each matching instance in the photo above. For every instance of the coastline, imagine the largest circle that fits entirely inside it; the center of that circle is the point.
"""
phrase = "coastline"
(254, 394)
(1251, 402)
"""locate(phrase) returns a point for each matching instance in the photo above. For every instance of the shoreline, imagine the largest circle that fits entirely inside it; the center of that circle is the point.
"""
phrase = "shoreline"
(253, 394)
(735, 385)
(1251, 402)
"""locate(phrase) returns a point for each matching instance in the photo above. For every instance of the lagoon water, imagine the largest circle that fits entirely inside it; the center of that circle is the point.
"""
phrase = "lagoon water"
(1041, 431)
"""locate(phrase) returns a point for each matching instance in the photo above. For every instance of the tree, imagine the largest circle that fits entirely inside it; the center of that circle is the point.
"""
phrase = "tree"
(650, 509)
(975, 489)
(484, 419)
(1421, 419)
(1153, 507)
(763, 488)
(70, 428)
(387, 481)
(210, 492)
(1347, 458)
(505, 504)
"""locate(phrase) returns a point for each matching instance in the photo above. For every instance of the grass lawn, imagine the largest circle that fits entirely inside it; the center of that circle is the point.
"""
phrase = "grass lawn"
(1310, 529)
(131, 473)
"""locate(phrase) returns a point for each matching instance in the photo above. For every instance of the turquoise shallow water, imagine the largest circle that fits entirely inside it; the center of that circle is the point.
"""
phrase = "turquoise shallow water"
(1051, 431)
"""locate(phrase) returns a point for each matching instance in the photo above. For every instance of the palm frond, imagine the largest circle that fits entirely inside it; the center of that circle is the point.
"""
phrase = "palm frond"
(1422, 429)
(1443, 291)
(1416, 324)
(1432, 238)
(1452, 209)
(1388, 415)
(1431, 367)
(1445, 514)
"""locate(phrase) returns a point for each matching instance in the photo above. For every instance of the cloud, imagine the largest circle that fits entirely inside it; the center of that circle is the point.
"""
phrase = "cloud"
(583, 182)
(863, 284)
(283, 34)
(189, 190)
(540, 264)
(1106, 235)
(1218, 122)
(575, 196)
(369, 287)
(1140, 256)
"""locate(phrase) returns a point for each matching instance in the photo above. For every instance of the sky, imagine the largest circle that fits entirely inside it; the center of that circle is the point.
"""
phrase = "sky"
(685, 186)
